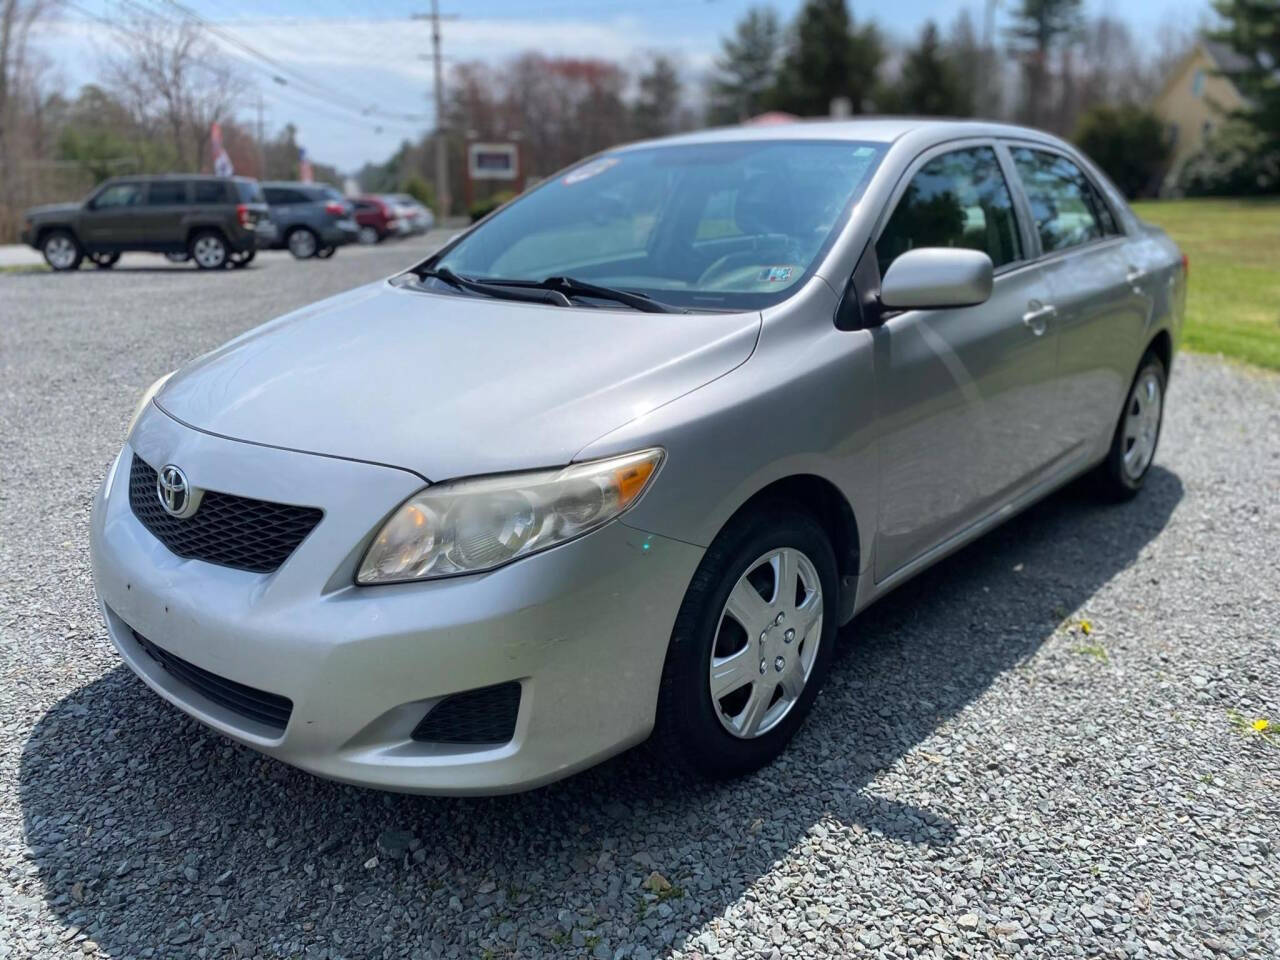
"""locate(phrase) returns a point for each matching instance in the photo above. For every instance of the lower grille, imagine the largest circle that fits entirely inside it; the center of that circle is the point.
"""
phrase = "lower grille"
(239, 532)
(486, 715)
(269, 709)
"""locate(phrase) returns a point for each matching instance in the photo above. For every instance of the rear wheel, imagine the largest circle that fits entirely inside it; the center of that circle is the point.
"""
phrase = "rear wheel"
(209, 250)
(243, 259)
(368, 236)
(177, 256)
(302, 243)
(324, 253)
(1133, 445)
(61, 250)
(751, 646)
(104, 261)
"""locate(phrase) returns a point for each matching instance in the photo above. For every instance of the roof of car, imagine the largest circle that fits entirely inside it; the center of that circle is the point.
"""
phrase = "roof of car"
(873, 129)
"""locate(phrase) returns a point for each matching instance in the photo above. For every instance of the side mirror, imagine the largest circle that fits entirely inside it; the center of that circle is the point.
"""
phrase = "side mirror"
(934, 277)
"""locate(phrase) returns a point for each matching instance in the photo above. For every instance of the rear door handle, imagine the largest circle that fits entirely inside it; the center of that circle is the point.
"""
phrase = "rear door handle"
(1037, 316)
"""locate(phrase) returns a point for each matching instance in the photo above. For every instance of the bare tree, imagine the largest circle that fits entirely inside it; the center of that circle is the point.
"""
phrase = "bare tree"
(18, 88)
(176, 83)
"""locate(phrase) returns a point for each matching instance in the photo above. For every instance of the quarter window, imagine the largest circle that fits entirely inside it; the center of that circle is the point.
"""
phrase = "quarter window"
(959, 199)
(1066, 206)
(208, 191)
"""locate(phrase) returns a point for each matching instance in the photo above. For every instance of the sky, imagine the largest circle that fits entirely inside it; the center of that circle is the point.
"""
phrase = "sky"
(339, 60)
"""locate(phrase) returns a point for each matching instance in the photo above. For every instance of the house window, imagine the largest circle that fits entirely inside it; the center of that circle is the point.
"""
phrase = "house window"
(1197, 84)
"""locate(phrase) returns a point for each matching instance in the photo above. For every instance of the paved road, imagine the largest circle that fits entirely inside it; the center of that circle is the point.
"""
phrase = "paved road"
(979, 778)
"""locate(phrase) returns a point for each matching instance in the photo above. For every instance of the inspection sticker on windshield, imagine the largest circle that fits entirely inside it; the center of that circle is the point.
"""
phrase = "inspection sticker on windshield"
(776, 274)
(589, 170)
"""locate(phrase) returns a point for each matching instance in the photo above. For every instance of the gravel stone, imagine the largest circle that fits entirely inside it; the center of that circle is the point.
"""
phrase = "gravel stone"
(980, 777)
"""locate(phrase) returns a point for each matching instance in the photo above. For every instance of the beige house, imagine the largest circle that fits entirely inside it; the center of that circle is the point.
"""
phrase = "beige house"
(1196, 99)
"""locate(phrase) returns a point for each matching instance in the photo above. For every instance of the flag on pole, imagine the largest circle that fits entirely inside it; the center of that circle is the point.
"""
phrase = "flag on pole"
(304, 166)
(221, 162)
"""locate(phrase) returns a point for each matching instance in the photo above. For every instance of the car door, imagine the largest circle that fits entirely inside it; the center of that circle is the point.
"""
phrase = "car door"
(162, 219)
(1102, 297)
(964, 396)
(110, 218)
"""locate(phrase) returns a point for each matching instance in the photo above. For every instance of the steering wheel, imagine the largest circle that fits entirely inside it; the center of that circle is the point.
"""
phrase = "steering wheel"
(766, 251)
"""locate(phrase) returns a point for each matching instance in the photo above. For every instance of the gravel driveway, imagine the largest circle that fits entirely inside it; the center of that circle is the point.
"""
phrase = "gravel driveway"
(979, 778)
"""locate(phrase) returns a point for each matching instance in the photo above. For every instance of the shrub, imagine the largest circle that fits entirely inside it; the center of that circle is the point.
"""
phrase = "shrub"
(421, 191)
(1235, 163)
(1128, 142)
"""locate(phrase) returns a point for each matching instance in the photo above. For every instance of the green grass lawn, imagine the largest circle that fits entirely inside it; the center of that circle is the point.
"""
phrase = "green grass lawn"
(1233, 299)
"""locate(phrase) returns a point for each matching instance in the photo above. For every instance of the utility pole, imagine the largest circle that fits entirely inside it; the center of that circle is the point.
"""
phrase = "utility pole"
(262, 139)
(988, 64)
(442, 155)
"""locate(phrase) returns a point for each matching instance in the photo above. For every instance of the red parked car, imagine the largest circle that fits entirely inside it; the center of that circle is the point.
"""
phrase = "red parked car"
(376, 218)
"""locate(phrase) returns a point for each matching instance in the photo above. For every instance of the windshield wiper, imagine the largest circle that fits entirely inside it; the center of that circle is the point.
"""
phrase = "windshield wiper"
(571, 287)
(499, 291)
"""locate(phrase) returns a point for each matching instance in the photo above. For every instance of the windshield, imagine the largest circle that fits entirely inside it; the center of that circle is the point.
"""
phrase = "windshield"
(717, 226)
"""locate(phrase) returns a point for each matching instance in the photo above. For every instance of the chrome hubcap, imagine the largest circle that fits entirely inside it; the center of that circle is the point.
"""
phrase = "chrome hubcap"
(1142, 424)
(209, 252)
(766, 642)
(60, 251)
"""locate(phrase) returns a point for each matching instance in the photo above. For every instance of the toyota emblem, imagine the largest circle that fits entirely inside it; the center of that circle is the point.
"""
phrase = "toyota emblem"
(174, 491)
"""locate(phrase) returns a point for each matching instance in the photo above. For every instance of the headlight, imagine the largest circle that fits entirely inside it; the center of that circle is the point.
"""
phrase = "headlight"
(147, 396)
(471, 525)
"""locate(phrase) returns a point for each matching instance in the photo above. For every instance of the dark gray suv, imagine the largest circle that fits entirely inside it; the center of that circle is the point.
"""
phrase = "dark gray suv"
(312, 219)
(214, 221)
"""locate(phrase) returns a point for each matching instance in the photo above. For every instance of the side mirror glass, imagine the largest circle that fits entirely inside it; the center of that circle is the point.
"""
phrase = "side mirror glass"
(931, 278)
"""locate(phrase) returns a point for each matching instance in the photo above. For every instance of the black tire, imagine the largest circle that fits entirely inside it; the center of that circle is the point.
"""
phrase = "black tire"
(688, 729)
(175, 256)
(302, 243)
(243, 259)
(1113, 479)
(208, 248)
(104, 261)
(324, 253)
(61, 250)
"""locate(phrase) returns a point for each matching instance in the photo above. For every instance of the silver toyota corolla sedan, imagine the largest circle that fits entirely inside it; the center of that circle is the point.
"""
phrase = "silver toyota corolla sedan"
(618, 461)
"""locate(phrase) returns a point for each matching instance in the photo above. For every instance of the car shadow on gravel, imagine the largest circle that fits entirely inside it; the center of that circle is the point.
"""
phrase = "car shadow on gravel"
(147, 830)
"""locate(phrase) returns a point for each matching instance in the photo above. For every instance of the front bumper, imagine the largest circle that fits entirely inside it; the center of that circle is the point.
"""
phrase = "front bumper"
(583, 627)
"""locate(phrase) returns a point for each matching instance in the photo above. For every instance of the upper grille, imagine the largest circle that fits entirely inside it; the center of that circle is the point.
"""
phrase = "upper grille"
(486, 715)
(269, 709)
(232, 531)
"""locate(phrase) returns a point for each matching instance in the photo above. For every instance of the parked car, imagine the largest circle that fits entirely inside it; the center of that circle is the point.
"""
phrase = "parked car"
(312, 219)
(214, 221)
(416, 217)
(618, 461)
(376, 219)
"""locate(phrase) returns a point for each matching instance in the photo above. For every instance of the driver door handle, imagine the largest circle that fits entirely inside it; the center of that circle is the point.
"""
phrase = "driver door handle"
(1037, 316)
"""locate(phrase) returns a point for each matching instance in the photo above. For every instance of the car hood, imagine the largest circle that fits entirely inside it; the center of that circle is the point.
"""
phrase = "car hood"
(451, 386)
(51, 210)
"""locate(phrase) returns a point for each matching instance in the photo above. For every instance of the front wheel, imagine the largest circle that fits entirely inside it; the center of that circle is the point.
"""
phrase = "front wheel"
(324, 253)
(104, 261)
(368, 236)
(243, 259)
(209, 250)
(61, 250)
(1133, 445)
(751, 646)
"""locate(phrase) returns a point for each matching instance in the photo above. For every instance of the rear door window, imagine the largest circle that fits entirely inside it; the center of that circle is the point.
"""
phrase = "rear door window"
(208, 191)
(166, 193)
(958, 199)
(1067, 208)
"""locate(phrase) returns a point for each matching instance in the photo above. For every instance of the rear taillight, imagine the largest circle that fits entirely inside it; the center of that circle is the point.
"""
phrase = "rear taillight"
(334, 207)
(1186, 265)
(242, 214)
